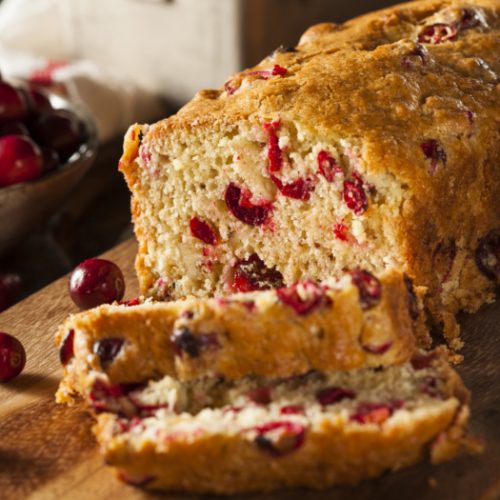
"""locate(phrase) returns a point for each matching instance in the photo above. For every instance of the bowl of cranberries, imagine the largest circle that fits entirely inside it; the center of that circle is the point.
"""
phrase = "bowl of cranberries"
(46, 146)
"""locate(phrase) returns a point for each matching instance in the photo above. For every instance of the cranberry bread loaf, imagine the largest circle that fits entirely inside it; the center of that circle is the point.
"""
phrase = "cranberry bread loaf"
(338, 325)
(372, 144)
(257, 434)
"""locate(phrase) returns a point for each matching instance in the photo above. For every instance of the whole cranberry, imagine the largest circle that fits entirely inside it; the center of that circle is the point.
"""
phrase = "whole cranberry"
(59, 130)
(95, 282)
(12, 357)
(13, 104)
(20, 160)
(38, 101)
(14, 128)
(50, 160)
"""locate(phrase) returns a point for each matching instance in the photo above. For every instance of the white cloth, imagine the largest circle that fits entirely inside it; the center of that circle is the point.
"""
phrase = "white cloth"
(37, 43)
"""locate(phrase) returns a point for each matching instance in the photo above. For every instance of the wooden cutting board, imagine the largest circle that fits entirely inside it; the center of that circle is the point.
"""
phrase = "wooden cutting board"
(47, 451)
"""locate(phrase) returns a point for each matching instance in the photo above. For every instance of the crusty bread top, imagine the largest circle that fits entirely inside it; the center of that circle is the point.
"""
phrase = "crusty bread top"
(370, 79)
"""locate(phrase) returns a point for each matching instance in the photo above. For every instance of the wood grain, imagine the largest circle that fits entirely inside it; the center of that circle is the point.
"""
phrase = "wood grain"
(48, 452)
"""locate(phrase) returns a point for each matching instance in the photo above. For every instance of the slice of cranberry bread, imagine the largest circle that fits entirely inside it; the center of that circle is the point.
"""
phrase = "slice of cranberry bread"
(336, 325)
(371, 144)
(258, 434)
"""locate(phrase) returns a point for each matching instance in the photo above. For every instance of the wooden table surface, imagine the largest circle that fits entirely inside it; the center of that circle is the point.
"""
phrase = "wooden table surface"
(47, 451)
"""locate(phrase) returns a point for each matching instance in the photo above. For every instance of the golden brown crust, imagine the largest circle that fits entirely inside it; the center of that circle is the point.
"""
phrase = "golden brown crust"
(244, 334)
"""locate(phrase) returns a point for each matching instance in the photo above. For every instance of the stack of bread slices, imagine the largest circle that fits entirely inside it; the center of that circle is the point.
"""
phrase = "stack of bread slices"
(299, 231)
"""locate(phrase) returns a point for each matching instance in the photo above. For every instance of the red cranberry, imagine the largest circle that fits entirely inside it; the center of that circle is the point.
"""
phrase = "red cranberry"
(59, 130)
(112, 397)
(260, 395)
(328, 167)
(437, 33)
(20, 160)
(354, 196)
(249, 305)
(279, 70)
(332, 395)
(252, 274)
(412, 298)
(292, 410)
(266, 73)
(304, 301)
(488, 255)
(280, 438)
(433, 150)
(12, 357)
(10, 289)
(39, 102)
(13, 104)
(14, 128)
(341, 231)
(203, 231)
(299, 189)
(95, 282)
(377, 349)
(145, 410)
(50, 160)
(133, 423)
(374, 413)
(190, 314)
(274, 154)
(369, 288)
(422, 360)
(107, 349)
(229, 88)
(239, 204)
(263, 74)
(66, 350)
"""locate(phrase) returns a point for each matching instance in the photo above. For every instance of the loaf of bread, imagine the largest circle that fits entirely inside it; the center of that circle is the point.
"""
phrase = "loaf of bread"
(371, 144)
(338, 325)
(258, 434)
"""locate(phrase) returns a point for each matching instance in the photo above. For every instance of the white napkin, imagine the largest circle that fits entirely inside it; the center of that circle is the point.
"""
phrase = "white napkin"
(37, 43)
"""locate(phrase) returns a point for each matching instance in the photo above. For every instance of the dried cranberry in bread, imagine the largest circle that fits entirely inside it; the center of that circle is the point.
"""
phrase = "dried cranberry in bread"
(372, 144)
(336, 325)
(263, 434)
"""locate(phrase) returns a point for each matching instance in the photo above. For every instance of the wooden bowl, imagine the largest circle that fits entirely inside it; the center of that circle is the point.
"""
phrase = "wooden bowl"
(27, 205)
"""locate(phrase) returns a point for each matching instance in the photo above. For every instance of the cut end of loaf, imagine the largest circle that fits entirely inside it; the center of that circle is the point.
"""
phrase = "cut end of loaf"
(208, 203)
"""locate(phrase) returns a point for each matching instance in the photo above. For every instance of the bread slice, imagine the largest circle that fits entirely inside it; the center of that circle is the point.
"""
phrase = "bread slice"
(371, 144)
(337, 325)
(258, 434)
